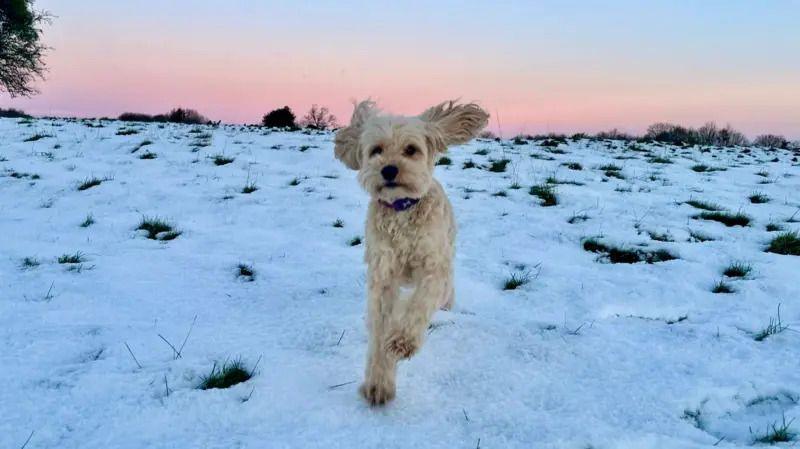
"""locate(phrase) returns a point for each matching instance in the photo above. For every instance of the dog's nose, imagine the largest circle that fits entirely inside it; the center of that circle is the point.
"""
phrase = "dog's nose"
(389, 172)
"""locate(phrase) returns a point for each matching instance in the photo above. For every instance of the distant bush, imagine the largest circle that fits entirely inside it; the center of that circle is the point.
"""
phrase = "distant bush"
(13, 113)
(280, 118)
(707, 134)
(135, 117)
(729, 137)
(177, 115)
(318, 117)
(674, 134)
(519, 140)
(186, 116)
(725, 137)
(562, 138)
(771, 141)
(614, 134)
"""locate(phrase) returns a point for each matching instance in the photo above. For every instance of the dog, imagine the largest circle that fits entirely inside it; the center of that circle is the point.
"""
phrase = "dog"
(410, 229)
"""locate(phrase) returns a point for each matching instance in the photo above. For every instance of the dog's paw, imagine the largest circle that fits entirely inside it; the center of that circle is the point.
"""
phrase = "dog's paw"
(402, 345)
(376, 393)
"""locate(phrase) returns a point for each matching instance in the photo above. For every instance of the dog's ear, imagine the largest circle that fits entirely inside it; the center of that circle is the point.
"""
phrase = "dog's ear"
(454, 124)
(346, 141)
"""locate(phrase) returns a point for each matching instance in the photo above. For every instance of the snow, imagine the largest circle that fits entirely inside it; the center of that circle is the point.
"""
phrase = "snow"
(587, 354)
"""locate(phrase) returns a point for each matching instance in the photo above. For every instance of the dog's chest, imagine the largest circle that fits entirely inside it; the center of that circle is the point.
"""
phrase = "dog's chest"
(400, 251)
(410, 242)
(403, 236)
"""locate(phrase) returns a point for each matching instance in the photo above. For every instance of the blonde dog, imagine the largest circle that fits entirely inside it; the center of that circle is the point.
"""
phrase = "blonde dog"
(410, 229)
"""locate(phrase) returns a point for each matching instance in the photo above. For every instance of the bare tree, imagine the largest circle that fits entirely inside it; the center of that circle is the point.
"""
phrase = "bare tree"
(21, 52)
(729, 137)
(318, 118)
(675, 134)
(771, 141)
(659, 128)
(615, 134)
(708, 134)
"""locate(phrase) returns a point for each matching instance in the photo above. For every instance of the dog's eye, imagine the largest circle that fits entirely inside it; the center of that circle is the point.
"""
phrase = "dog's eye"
(410, 150)
(376, 151)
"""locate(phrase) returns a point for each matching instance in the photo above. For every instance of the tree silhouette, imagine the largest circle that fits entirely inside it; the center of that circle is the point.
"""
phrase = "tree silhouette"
(318, 117)
(280, 118)
(21, 52)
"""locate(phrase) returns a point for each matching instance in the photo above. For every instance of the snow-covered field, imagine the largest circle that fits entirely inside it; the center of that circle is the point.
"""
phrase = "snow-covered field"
(587, 353)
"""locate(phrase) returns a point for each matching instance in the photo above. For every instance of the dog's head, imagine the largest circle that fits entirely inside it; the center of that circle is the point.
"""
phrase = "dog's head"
(395, 155)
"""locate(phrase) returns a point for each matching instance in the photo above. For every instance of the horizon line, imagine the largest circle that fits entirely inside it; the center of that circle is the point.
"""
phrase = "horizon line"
(495, 130)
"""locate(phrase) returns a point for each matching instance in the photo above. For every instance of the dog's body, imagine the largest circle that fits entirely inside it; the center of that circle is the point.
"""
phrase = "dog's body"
(410, 231)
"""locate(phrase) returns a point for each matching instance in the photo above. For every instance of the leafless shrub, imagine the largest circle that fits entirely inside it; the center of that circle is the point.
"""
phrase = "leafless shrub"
(13, 113)
(771, 141)
(187, 116)
(177, 115)
(708, 134)
(671, 133)
(319, 117)
(614, 134)
(729, 137)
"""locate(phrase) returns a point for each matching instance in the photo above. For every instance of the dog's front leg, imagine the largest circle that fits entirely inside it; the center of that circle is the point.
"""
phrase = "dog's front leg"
(379, 383)
(408, 330)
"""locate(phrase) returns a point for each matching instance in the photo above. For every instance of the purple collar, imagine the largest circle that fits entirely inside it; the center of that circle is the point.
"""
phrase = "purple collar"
(400, 204)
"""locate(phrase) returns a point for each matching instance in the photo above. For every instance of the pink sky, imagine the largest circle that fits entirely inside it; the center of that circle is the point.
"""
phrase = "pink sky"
(538, 68)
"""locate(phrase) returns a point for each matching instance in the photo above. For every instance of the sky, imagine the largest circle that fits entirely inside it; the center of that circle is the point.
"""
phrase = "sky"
(536, 66)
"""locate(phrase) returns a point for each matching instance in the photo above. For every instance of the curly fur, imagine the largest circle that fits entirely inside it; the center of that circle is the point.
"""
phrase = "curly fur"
(412, 248)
